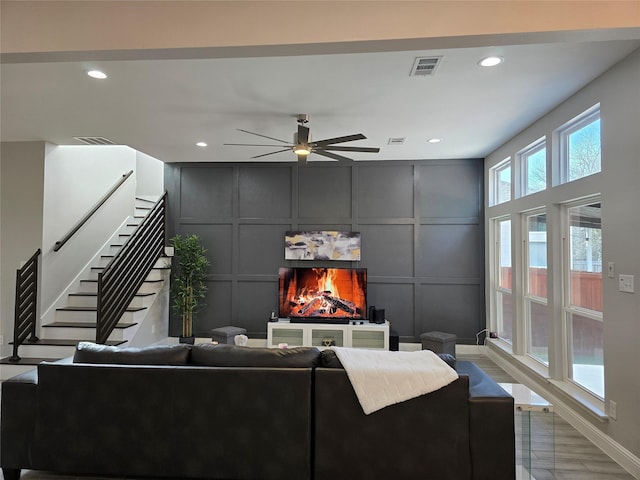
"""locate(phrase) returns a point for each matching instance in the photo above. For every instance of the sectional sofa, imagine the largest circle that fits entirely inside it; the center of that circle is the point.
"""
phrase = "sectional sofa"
(228, 412)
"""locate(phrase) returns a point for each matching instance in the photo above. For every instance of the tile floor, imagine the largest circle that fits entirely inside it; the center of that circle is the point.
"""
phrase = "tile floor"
(567, 455)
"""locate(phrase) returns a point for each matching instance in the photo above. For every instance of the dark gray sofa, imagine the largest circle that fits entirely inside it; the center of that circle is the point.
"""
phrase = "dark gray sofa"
(227, 412)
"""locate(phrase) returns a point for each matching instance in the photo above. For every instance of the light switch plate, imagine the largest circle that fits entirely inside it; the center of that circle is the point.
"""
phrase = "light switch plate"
(611, 269)
(626, 283)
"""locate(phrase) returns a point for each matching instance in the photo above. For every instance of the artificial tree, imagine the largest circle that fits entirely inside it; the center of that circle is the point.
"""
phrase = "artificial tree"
(188, 285)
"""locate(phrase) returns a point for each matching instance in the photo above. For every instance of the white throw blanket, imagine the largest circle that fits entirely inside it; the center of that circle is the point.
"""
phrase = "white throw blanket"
(381, 378)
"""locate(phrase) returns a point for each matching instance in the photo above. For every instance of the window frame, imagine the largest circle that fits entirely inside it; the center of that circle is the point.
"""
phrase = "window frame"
(494, 173)
(528, 298)
(523, 160)
(564, 133)
(568, 308)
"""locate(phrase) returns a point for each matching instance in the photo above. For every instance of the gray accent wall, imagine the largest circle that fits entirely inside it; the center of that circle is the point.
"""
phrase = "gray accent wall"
(421, 224)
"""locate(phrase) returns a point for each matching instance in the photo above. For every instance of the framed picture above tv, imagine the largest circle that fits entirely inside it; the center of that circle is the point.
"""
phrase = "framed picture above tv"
(322, 245)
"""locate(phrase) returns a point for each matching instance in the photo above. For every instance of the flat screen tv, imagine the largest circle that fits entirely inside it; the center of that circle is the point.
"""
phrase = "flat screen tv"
(322, 295)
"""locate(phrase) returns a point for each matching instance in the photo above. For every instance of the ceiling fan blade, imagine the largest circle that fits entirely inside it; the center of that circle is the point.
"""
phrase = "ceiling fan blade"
(272, 153)
(254, 145)
(333, 156)
(303, 134)
(347, 138)
(352, 149)
(260, 135)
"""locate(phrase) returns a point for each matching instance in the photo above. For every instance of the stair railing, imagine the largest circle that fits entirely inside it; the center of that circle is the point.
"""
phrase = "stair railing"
(58, 245)
(26, 305)
(123, 276)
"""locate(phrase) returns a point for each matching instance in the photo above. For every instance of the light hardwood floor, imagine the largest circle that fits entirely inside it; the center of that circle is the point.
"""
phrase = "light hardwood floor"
(559, 452)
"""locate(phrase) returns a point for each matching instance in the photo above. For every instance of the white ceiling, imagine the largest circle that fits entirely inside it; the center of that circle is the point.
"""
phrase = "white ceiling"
(162, 107)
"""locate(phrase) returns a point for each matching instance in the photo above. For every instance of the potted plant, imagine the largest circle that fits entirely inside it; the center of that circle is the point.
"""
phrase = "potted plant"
(188, 285)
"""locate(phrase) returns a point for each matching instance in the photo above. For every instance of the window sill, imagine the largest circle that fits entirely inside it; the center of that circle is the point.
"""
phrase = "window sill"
(562, 394)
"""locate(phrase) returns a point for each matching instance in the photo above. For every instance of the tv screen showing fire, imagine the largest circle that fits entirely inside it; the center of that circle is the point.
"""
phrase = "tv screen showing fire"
(323, 295)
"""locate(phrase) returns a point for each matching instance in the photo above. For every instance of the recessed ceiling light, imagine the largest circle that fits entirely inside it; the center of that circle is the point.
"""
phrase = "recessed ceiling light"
(97, 74)
(201, 144)
(490, 61)
(434, 140)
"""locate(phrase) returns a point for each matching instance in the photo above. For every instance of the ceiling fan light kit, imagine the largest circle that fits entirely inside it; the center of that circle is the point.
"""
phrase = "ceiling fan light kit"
(303, 146)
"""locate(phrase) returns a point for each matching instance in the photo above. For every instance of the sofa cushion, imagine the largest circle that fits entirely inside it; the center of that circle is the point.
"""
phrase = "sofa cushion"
(223, 355)
(88, 352)
(329, 359)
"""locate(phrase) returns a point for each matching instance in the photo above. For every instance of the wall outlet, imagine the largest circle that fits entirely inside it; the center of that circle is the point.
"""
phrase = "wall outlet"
(626, 283)
(613, 410)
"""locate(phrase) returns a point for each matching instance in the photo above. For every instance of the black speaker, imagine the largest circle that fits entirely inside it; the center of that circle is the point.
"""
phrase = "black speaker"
(372, 314)
(394, 341)
(378, 315)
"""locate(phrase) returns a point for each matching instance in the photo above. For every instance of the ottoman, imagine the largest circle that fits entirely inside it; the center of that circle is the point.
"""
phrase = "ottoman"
(226, 334)
(439, 342)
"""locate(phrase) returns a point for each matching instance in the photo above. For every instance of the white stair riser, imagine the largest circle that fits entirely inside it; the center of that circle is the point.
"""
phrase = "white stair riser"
(155, 274)
(140, 212)
(162, 262)
(45, 351)
(70, 316)
(147, 287)
(92, 301)
(89, 334)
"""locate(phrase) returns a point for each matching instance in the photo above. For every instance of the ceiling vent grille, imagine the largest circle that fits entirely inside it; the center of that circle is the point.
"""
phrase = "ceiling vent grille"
(425, 66)
(396, 140)
(95, 140)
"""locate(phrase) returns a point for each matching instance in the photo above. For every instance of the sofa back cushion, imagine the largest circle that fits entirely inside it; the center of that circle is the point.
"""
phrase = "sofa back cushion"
(223, 355)
(329, 359)
(88, 352)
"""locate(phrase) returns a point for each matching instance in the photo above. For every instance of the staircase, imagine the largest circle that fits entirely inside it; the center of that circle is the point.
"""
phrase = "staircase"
(76, 320)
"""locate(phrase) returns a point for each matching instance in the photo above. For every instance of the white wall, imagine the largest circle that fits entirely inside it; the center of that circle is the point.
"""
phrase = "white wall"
(149, 175)
(618, 92)
(21, 199)
(76, 178)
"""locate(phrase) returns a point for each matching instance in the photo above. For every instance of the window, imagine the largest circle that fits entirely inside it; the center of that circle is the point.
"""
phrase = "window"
(535, 296)
(580, 146)
(504, 303)
(583, 301)
(533, 161)
(501, 182)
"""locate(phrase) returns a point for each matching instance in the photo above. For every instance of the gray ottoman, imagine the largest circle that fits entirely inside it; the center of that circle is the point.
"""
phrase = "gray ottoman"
(226, 334)
(439, 342)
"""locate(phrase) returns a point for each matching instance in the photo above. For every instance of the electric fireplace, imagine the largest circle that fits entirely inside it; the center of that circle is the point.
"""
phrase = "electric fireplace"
(322, 295)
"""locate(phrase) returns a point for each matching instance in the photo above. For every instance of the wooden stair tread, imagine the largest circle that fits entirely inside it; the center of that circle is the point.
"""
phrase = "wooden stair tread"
(121, 325)
(96, 280)
(94, 309)
(27, 361)
(95, 294)
(70, 342)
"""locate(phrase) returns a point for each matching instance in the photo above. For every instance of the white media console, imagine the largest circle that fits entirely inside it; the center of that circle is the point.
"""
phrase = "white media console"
(322, 335)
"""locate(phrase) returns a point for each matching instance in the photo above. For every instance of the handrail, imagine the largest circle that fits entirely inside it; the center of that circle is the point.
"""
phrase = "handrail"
(58, 245)
(26, 304)
(123, 276)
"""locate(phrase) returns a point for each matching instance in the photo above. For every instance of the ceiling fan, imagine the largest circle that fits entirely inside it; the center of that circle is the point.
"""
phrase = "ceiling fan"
(303, 146)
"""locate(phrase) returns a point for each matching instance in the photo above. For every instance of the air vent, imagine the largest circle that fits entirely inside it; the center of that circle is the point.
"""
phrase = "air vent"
(425, 66)
(396, 140)
(95, 140)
